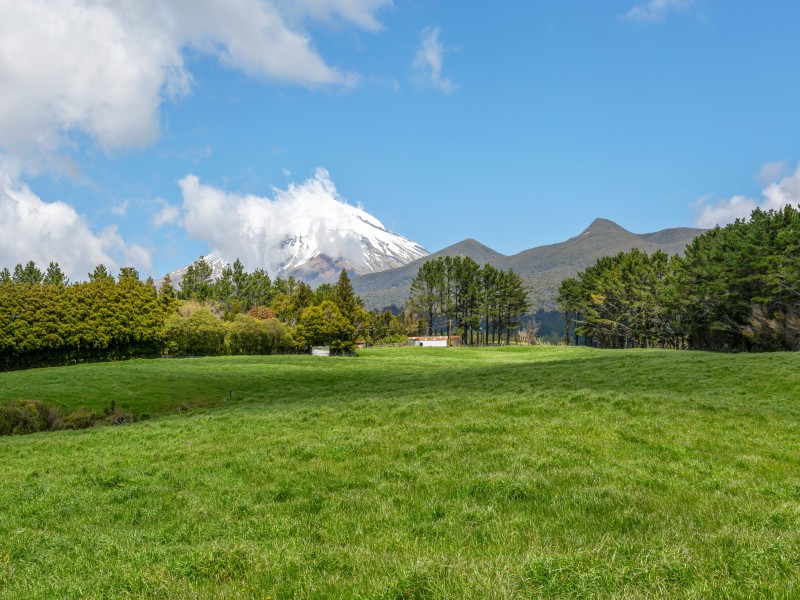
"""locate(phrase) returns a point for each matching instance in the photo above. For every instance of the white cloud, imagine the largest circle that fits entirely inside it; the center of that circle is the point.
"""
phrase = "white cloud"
(288, 229)
(656, 10)
(102, 68)
(121, 208)
(53, 231)
(771, 172)
(253, 36)
(429, 58)
(359, 12)
(68, 66)
(725, 211)
(167, 215)
(775, 196)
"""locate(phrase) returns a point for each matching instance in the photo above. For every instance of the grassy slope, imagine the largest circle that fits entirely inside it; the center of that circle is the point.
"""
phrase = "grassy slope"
(412, 473)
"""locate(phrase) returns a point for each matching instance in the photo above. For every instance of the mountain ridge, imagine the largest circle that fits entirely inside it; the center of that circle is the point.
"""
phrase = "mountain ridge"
(541, 267)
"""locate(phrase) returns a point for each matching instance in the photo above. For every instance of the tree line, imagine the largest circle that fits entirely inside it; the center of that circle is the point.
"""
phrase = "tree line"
(454, 295)
(46, 320)
(330, 315)
(736, 288)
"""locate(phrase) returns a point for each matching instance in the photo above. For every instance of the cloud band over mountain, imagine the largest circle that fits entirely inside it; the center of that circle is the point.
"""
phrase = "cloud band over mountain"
(290, 229)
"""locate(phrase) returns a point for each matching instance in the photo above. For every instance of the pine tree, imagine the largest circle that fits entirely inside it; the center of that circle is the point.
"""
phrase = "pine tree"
(344, 298)
(223, 289)
(515, 300)
(302, 298)
(100, 273)
(29, 274)
(256, 288)
(424, 294)
(167, 297)
(54, 275)
(128, 273)
(323, 292)
(240, 279)
(196, 283)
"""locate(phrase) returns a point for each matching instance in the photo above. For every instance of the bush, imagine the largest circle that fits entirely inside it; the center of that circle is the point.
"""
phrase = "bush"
(28, 416)
(79, 419)
(119, 417)
(31, 416)
(249, 335)
(261, 312)
(200, 334)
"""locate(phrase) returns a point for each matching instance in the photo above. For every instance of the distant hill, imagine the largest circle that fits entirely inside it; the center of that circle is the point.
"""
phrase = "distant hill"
(392, 288)
(543, 268)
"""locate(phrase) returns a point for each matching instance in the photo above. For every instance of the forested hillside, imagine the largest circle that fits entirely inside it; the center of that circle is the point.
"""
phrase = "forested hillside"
(736, 288)
(542, 269)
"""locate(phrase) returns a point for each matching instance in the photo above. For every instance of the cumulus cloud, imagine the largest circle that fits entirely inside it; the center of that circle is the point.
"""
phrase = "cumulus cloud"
(656, 10)
(360, 12)
(69, 66)
(276, 233)
(99, 70)
(121, 208)
(47, 231)
(166, 215)
(775, 196)
(102, 68)
(429, 58)
(771, 171)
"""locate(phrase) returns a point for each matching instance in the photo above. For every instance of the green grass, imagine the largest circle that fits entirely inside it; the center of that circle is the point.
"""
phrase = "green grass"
(412, 473)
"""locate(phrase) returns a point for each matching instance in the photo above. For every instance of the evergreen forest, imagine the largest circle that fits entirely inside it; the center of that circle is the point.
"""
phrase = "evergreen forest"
(736, 288)
(481, 304)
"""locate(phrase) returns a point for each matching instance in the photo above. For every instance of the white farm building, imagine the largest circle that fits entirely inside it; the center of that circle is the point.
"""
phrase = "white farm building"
(437, 341)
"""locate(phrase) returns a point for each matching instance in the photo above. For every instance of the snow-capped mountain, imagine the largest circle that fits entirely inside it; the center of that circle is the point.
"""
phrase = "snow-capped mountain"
(307, 230)
(364, 244)
(216, 262)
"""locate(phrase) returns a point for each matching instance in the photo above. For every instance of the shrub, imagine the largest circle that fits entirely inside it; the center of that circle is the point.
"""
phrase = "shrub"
(200, 334)
(31, 416)
(28, 416)
(261, 312)
(79, 419)
(119, 416)
(246, 335)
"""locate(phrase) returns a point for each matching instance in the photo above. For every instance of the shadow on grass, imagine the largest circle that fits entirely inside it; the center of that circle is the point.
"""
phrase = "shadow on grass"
(159, 387)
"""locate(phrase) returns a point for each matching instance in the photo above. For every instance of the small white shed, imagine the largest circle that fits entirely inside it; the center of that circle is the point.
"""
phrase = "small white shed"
(435, 341)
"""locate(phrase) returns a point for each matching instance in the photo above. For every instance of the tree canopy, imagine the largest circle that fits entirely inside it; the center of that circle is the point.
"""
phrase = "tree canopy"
(455, 295)
(736, 288)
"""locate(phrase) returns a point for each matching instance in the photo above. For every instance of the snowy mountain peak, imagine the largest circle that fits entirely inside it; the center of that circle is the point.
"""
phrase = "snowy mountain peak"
(216, 262)
(307, 231)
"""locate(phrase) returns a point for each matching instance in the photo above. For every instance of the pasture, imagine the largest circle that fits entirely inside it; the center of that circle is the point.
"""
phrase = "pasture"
(411, 473)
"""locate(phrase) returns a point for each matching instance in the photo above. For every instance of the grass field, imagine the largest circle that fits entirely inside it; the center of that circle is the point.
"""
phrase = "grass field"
(411, 473)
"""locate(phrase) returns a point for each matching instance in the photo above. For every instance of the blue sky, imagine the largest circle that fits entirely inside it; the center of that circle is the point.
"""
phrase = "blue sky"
(515, 124)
